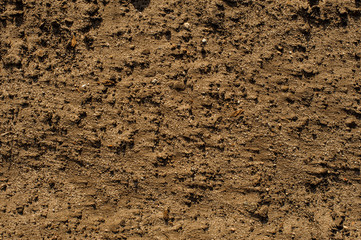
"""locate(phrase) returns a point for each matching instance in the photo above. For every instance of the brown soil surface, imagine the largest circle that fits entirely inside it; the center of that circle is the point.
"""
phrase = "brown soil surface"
(178, 119)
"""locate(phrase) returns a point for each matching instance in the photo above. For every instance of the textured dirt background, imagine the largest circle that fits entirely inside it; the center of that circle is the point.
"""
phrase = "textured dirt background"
(180, 119)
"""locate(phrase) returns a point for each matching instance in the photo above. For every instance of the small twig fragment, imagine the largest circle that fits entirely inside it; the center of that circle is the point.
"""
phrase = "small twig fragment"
(236, 113)
(4, 134)
(166, 215)
(108, 83)
(73, 42)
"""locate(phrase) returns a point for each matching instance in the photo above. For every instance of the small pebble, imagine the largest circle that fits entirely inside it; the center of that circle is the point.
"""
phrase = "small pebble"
(178, 85)
(146, 52)
(204, 40)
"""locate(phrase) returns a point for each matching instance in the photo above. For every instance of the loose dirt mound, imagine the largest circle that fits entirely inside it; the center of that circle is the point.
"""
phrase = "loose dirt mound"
(176, 119)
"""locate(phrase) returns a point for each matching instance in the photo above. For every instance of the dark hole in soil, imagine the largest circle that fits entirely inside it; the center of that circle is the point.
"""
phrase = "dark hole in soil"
(140, 5)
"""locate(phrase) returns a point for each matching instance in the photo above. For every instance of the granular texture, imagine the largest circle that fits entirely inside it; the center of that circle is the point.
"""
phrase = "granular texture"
(178, 119)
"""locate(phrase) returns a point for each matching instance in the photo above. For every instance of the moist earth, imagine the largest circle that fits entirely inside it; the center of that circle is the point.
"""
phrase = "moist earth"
(176, 119)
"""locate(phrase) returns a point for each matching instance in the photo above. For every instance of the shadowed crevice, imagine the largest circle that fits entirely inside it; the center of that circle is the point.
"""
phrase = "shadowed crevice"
(140, 5)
